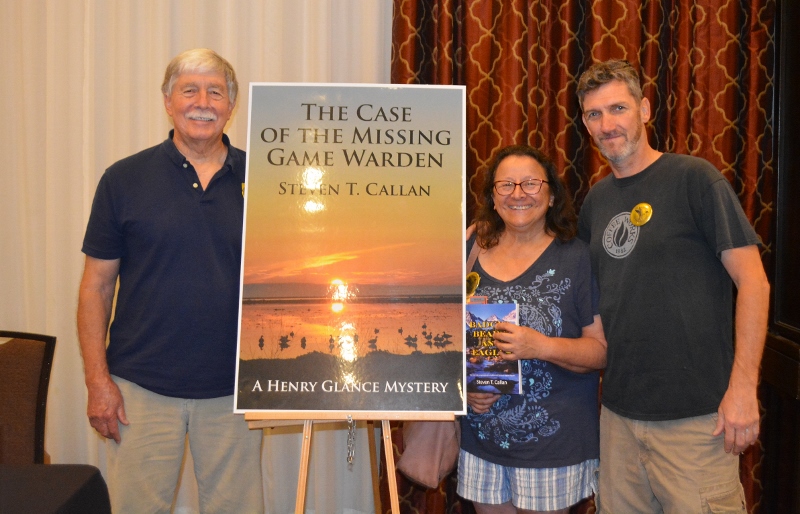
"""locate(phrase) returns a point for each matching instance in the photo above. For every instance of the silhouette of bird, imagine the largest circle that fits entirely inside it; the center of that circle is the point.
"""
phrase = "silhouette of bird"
(291, 334)
(377, 330)
(373, 343)
(330, 345)
(303, 343)
(284, 342)
(261, 342)
(400, 330)
(424, 326)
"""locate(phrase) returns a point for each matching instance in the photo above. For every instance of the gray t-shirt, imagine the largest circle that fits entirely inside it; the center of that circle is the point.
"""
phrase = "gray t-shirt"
(665, 297)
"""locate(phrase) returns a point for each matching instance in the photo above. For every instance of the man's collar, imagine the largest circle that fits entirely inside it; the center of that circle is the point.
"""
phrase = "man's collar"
(178, 158)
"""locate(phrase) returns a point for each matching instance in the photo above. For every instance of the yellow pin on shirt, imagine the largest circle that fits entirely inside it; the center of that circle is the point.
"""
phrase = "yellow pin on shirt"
(242, 188)
(473, 279)
(641, 214)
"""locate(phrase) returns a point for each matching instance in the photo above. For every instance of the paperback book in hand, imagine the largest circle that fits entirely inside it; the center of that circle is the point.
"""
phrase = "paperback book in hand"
(487, 371)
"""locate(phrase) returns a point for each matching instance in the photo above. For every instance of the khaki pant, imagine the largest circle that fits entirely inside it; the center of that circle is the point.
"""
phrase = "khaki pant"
(143, 470)
(674, 467)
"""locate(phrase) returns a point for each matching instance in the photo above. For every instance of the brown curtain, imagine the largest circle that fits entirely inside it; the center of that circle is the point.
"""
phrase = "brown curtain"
(708, 68)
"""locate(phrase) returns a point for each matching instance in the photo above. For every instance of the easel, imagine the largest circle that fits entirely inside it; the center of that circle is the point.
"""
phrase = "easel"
(287, 418)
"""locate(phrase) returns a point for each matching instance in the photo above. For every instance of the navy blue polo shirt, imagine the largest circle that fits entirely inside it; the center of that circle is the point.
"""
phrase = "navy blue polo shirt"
(175, 324)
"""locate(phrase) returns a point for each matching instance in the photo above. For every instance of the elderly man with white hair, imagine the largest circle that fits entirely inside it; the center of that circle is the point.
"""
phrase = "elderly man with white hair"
(167, 223)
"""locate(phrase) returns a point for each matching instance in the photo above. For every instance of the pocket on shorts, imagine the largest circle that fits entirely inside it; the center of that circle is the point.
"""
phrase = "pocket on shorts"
(727, 497)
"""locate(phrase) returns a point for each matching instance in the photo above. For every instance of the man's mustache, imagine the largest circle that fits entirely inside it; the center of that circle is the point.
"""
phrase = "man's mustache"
(200, 114)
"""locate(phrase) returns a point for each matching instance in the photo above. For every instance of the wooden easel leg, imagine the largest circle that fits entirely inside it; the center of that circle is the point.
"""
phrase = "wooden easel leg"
(305, 454)
(391, 474)
(373, 464)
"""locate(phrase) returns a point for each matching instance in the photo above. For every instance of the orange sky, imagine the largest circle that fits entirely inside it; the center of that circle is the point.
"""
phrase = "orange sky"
(360, 229)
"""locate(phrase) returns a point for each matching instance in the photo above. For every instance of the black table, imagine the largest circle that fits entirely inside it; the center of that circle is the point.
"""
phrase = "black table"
(53, 488)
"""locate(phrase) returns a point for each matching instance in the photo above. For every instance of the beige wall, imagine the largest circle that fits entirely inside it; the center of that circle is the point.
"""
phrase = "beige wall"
(80, 90)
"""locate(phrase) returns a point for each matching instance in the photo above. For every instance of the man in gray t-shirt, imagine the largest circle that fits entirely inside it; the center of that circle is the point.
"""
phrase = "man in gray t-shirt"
(668, 241)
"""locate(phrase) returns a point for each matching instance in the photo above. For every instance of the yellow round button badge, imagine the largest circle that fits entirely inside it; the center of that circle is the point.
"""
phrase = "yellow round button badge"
(641, 214)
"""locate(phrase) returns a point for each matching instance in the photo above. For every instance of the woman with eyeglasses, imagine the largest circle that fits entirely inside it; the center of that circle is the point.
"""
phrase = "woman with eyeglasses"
(536, 451)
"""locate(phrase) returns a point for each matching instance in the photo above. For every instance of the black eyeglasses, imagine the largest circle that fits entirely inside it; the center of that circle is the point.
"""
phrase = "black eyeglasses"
(530, 187)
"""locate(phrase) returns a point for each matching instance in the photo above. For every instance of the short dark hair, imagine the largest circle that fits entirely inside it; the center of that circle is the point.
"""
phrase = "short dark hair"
(601, 73)
(560, 220)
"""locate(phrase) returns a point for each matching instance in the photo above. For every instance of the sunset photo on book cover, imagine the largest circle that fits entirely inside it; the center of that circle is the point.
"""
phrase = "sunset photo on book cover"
(352, 273)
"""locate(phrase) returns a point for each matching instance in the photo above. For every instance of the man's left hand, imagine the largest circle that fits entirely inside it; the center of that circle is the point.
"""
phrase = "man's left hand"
(738, 418)
(738, 411)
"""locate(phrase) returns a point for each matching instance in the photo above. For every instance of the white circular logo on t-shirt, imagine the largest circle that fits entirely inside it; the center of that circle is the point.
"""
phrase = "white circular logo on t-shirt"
(620, 236)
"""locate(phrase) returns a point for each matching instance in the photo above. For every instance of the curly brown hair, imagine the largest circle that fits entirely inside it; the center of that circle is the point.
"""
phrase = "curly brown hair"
(560, 220)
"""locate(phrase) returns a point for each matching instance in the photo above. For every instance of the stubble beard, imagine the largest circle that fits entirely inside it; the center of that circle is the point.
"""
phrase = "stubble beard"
(628, 148)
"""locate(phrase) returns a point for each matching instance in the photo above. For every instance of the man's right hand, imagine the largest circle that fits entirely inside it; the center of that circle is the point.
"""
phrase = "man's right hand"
(106, 409)
(95, 299)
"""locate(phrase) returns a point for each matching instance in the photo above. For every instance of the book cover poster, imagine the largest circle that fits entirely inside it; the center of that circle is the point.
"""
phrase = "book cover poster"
(353, 252)
(487, 372)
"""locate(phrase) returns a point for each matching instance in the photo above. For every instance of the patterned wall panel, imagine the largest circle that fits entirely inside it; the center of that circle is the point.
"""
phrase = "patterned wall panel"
(706, 68)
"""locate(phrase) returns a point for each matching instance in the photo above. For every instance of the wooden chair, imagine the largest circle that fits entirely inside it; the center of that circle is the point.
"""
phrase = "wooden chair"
(25, 362)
